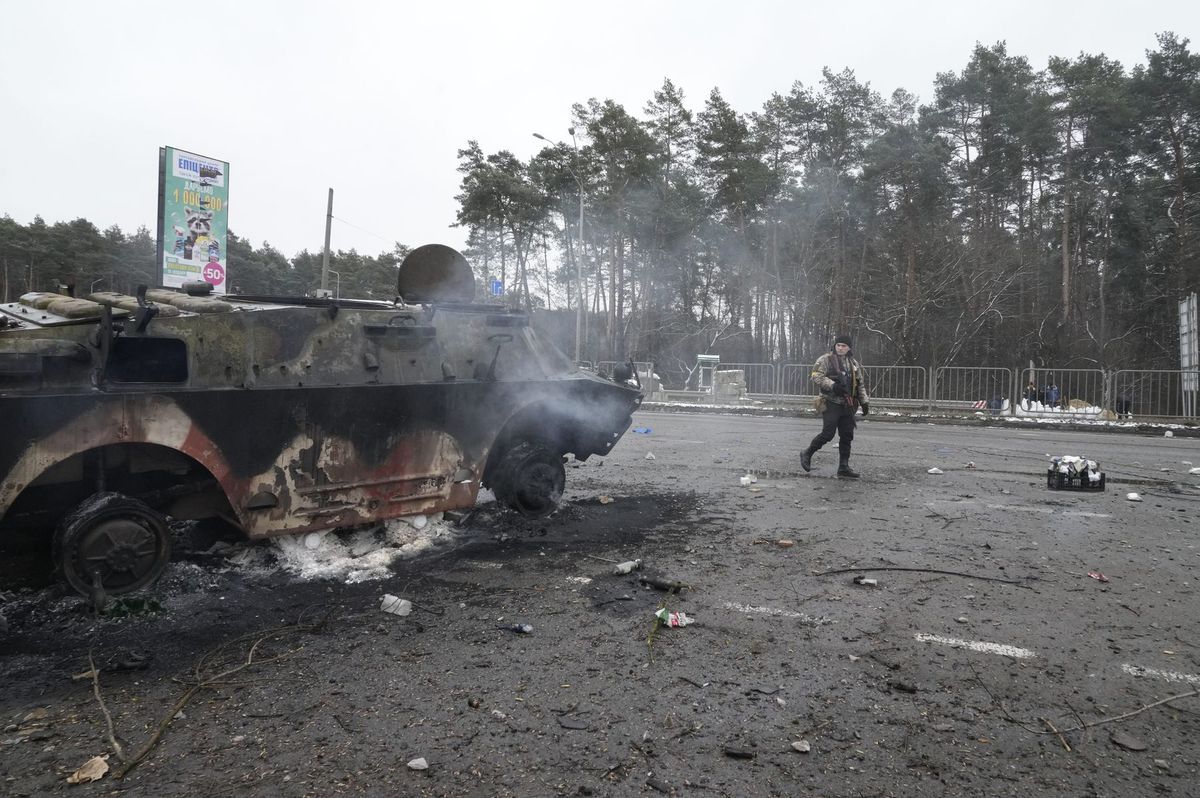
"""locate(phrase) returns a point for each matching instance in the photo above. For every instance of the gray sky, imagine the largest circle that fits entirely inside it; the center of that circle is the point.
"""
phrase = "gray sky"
(374, 99)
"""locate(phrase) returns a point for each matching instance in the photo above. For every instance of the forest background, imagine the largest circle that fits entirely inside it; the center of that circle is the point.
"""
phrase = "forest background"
(1022, 215)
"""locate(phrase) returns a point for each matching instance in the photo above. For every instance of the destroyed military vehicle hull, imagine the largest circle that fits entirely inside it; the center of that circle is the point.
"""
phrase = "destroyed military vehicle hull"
(279, 416)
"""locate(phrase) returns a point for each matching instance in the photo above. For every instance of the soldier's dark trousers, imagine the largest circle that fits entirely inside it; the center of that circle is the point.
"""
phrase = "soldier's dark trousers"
(840, 419)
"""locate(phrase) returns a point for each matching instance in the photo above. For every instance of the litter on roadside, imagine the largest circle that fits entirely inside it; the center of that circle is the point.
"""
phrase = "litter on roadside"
(661, 583)
(519, 628)
(92, 770)
(866, 581)
(642, 430)
(649, 455)
(935, 470)
(1133, 497)
(627, 567)
(395, 605)
(1099, 577)
(673, 618)
(1070, 472)
(605, 499)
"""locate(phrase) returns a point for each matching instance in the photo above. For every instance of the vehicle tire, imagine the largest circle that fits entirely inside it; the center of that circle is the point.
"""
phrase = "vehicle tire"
(530, 479)
(121, 538)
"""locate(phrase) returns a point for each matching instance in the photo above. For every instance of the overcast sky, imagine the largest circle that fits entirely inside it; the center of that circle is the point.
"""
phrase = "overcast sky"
(374, 99)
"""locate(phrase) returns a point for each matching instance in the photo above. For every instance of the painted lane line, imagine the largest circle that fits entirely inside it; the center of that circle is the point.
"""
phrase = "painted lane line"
(1166, 676)
(974, 645)
(751, 610)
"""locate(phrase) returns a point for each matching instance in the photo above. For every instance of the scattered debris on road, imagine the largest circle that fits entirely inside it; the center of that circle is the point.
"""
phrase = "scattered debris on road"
(395, 605)
(92, 770)
(661, 583)
(673, 618)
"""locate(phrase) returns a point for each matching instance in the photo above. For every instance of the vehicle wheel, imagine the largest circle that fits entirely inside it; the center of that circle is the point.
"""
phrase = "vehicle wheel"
(117, 537)
(530, 479)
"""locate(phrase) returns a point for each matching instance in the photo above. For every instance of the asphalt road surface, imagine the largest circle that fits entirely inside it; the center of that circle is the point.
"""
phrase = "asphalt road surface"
(1018, 641)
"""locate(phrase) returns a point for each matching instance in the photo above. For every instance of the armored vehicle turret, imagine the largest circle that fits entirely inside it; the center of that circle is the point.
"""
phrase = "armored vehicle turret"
(279, 415)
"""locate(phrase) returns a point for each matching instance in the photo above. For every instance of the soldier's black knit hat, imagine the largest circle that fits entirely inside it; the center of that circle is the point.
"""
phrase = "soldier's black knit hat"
(842, 339)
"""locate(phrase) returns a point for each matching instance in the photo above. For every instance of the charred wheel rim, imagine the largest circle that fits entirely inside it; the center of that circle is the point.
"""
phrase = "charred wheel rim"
(532, 478)
(118, 538)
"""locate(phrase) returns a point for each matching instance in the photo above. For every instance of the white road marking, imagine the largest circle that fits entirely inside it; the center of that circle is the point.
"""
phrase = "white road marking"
(746, 608)
(1166, 676)
(974, 645)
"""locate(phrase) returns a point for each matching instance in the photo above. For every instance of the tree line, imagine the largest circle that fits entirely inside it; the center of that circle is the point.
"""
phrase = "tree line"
(1046, 215)
(1021, 214)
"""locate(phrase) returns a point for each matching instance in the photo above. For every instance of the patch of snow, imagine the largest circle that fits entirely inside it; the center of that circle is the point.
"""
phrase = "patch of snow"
(350, 556)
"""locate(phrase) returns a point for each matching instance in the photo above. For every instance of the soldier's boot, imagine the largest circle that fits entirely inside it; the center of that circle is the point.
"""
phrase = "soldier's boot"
(806, 458)
(806, 455)
(844, 469)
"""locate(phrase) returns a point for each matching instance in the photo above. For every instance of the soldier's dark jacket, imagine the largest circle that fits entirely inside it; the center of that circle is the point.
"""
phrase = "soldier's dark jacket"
(828, 368)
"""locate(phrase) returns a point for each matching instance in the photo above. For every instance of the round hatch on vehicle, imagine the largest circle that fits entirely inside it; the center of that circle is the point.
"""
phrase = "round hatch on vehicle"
(436, 273)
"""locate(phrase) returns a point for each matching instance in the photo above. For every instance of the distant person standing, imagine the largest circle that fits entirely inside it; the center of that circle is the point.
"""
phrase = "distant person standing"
(1052, 393)
(838, 377)
(1031, 394)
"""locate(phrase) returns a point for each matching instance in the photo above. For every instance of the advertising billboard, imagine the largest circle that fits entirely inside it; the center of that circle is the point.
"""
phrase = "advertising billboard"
(193, 219)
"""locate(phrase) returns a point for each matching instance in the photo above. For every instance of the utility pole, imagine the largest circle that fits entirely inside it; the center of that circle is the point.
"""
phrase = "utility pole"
(579, 331)
(325, 260)
(579, 308)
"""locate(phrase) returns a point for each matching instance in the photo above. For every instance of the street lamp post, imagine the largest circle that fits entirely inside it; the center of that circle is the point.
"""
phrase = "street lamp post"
(579, 253)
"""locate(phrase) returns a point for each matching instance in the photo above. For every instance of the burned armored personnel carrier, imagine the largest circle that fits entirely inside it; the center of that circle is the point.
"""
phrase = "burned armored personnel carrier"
(281, 416)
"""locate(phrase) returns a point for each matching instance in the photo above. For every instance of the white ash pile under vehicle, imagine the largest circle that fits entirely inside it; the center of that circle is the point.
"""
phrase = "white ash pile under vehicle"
(279, 415)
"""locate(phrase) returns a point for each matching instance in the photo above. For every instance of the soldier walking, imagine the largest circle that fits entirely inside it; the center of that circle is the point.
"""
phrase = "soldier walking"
(838, 377)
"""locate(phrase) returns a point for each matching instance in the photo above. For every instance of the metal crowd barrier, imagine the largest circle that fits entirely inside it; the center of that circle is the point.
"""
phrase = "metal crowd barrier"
(760, 377)
(1042, 392)
(1155, 394)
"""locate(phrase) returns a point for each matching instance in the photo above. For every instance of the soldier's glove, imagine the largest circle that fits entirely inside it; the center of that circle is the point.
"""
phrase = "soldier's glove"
(839, 388)
(864, 407)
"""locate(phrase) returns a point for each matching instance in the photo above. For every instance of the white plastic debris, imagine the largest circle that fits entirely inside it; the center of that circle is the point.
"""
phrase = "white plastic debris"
(1194, 470)
(627, 567)
(935, 470)
(1168, 434)
(418, 764)
(1133, 497)
(649, 455)
(866, 581)
(395, 605)
(803, 746)
(744, 481)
